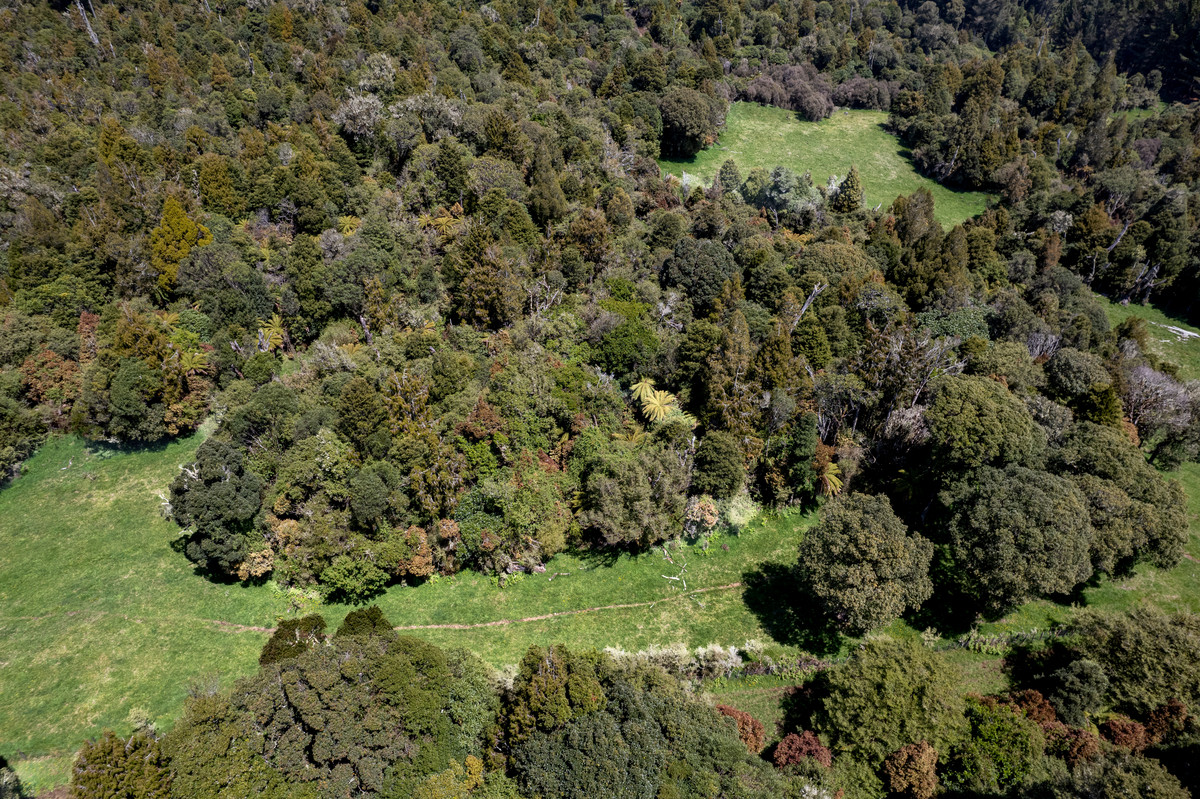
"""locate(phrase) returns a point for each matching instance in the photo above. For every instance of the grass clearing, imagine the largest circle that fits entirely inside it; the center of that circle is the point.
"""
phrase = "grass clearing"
(762, 136)
(100, 616)
(1171, 345)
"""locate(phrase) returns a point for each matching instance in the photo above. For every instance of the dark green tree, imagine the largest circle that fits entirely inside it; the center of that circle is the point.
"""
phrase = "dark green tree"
(862, 565)
(689, 120)
(366, 713)
(729, 178)
(216, 499)
(546, 201)
(888, 695)
(586, 726)
(849, 196)
(975, 421)
(451, 171)
(700, 269)
(1078, 690)
(1016, 534)
(719, 469)
(362, 419)
(292, 638)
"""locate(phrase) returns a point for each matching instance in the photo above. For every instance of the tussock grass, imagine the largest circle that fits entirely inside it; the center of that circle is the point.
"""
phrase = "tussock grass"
(762, 136)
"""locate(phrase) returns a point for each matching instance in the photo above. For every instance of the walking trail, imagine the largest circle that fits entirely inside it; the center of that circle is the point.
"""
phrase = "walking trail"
(242, 628)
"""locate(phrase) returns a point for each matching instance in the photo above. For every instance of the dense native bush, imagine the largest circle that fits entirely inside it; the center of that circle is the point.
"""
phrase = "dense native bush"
(418, 272)
(419, 266)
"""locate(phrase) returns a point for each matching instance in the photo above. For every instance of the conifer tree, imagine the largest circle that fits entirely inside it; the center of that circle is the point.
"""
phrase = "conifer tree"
(849, 196)
(546, 199)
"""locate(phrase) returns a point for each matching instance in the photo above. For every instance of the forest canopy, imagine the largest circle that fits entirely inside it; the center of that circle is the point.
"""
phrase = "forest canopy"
(418, 265)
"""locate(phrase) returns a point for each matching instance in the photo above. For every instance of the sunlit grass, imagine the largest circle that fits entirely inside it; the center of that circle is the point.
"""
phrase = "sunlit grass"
(99, 615)
(762, 136)
(1183, 351)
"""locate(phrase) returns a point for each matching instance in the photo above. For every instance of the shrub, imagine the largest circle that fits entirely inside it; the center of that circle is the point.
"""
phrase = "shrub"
(1126, 733)
(911, 771)
(10, 784)
(1000, 753)
(795, 749)
(1149, 657)
(364, 622)
(1166, 721)
(889, 694)
(112, 766)
(750, 730)
(1073, 746)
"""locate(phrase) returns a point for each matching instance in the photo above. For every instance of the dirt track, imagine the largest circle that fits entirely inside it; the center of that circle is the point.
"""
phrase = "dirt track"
(242, 628)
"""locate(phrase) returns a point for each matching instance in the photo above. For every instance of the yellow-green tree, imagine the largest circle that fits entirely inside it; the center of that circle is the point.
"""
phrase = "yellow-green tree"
(170, 242)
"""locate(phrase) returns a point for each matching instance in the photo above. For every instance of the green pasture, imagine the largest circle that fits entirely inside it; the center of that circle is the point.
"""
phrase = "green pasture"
(1172, 345)
(100, 616)
(762, 136)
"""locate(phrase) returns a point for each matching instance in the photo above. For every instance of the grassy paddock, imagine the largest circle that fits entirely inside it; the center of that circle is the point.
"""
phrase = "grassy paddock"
(762, 136)
(100, 616)
(1181, 350)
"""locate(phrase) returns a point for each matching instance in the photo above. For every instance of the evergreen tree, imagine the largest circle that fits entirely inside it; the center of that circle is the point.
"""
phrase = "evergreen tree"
(451, 170)
(862, 565)
(170, 242)
(849, 197)
(546, 202)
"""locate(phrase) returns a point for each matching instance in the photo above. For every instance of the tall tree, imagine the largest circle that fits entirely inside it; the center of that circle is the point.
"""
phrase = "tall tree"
(546, 202)
(1017, 534)
(170, 242)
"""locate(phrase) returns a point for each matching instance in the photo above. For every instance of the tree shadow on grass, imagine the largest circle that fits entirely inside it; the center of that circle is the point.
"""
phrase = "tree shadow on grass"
(104, 450)
(597, 556)
(785, 612)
